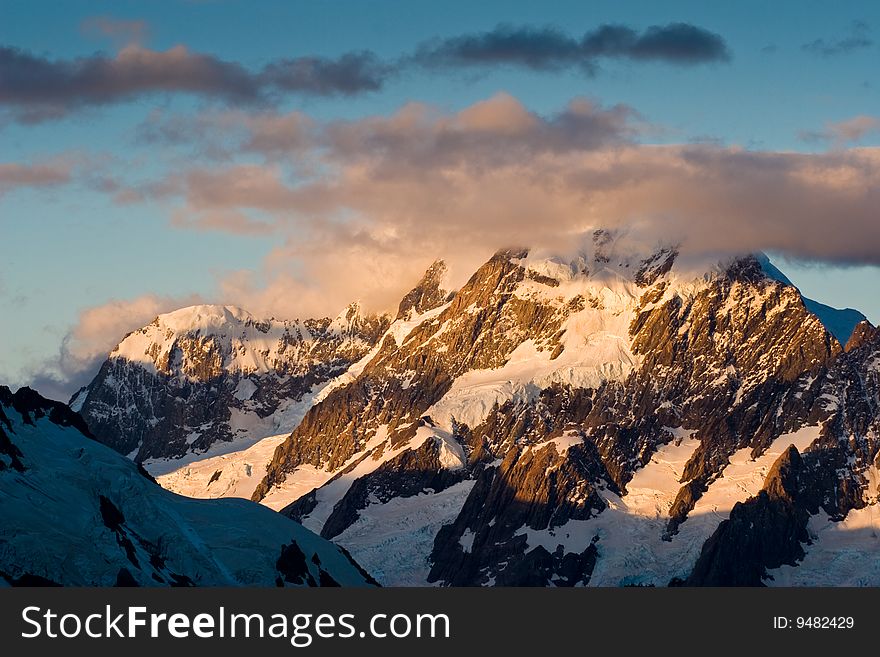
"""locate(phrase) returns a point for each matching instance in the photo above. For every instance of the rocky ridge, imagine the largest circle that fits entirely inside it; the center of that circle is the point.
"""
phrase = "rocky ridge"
(216, 377)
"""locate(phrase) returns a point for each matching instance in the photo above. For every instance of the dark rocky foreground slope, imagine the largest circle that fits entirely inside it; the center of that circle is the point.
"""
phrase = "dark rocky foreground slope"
(76, 513)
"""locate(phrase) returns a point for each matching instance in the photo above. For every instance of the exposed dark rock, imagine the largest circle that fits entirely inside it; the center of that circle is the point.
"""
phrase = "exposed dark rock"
(739, 363)
(324, 578)
(114, 521)
(27, 579)
(656, 266)
(10, 451)
(534, 488)
(765, 532)
(32, 406)
(427, 295)
(125, 579)
(484, 308)
(299, 509)
(293, 567)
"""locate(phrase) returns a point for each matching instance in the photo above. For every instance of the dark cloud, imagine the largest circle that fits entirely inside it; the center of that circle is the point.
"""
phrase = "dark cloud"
(549, 48)
(32, 80)
(37, 87)
(536, 48)
(350, 74)
(676, 43)
(859, 38)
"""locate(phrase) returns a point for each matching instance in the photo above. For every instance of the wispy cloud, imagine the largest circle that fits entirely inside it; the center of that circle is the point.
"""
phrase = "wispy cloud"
(15, 175)
(846, 132)
(119, 31)
(859, 38)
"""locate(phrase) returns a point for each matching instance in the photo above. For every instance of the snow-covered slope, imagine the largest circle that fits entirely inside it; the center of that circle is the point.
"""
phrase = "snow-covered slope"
(75, 512)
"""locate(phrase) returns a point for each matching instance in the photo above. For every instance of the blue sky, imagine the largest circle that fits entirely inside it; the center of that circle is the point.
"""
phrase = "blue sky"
(71, 246)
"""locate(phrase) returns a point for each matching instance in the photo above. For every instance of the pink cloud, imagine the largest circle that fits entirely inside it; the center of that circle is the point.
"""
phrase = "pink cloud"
(843, 133)
(15, 175)
(362, 207)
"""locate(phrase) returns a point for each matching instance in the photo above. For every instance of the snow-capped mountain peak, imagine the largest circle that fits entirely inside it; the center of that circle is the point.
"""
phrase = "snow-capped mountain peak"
(215, 376)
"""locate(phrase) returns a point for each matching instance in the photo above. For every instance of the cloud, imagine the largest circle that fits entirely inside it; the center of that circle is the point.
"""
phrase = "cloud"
(549, 48)
(119, 31)
(676, 43)
(14, 175)
(844, 132)
(97, 331)
(352, 73)
(37, 88)
(417, 134)
(362, 207)
(859, 38)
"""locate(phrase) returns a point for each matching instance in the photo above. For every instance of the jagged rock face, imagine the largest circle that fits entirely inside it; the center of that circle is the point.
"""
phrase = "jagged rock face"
(430, 293)
(558, 381)
(479, 329)
(767, 531)
(406, 475)
(76, 513)
(534, 488)
(207, 374)
(836, 476)
(862, 334)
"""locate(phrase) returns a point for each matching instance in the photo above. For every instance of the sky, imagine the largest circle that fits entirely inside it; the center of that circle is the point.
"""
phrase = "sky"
(288, 157)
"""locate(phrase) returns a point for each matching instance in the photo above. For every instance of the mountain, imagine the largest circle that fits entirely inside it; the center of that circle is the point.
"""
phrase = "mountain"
(77, 513)
(840, 323)
(623, 415)
(215, 379)
(589, 420)
(813, 522)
